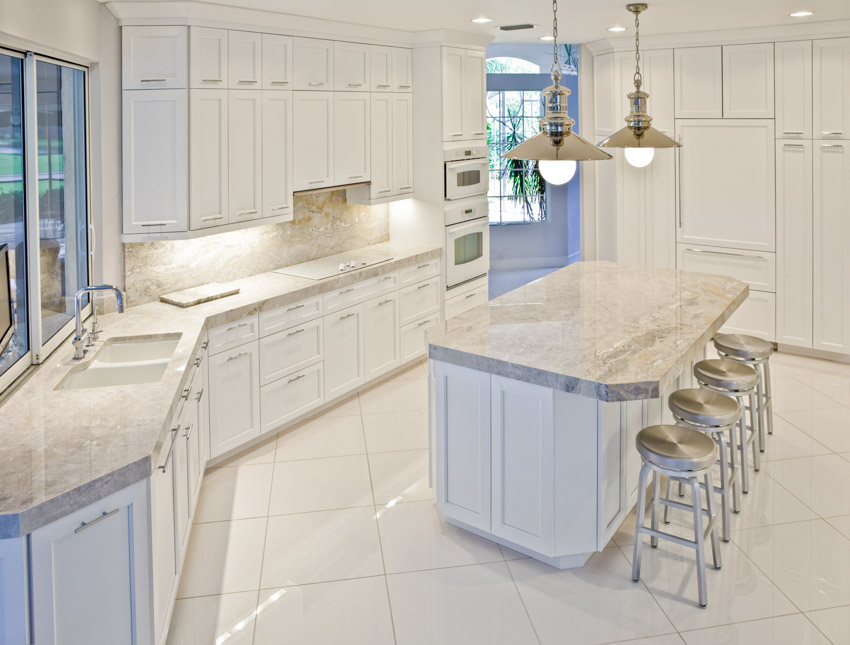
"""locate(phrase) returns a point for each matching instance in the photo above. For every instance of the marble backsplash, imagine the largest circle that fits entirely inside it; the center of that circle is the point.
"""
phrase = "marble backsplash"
(324, 224)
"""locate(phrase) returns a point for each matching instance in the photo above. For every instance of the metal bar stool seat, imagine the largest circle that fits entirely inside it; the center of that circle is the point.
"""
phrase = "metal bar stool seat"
(686, 455)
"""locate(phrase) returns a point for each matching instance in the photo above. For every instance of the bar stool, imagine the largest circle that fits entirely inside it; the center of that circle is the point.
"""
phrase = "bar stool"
(685, 455)
(736, 380)
(714, 414)
(754, 351)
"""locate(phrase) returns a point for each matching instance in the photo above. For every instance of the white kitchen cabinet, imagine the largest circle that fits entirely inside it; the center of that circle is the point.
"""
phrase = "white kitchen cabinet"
(381, 69)
(291, 396)
(831, 88)
(402, 144)
(831, 235)
(381, 335)
(402, 78)
(245, 60)
(245, 155)
(464, 94)
(14, 605)
(656, 66)
(312, 64)
(794, 242)
(313, 140)
(462, 302)
(193, 430)
(163, 546)
(234, 334)
(277, 154)
(290, 350)
(793, 62)
(351, 137)
(756, 317)
(475, 94)
(756, 268)
(180, 458)
(154, 57)
(280, 318)
(208, 159)
(351, 67)
(208, 59)
(412, 337)
(155, 160)
(611, 471)
(453, 83)
(748, 81)
(727, 183)
(234, 387)
(277, 62)
(84, 588)
(381, 145)
(418, 300)
(604, 91)
(698, 82)
(344, 365)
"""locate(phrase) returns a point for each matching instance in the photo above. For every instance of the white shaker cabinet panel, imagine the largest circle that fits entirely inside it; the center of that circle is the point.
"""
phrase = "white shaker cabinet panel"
(748, 81)
(290, 350)
(312, 64)
(208, 59)
(291, 396)
(344, 365)
(657, 68)
(660, 196)
(475, 95)
(831, 246)
(756, 316)
(402, 78)
(182, 504)
(245, 155)
(402, 144)
(208, 159)
(453, 80)
(793, 89)
(313, 140)
(351, 137)
(381, 335)
(154, 58)
(756, 268)
(277, 154)
(163, 546)
(14, 604)
(604, 100)
(245, 60)
(381, 148)
(831, 88)
(794, 243)
(381, 69)
(277, 62)
(412, 337)
(351, 67)
(192, 433)
(155, 160)
(698, 82)
(234, 398)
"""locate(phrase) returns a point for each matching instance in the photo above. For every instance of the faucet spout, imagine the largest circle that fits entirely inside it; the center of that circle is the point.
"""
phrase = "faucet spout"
(80, 332)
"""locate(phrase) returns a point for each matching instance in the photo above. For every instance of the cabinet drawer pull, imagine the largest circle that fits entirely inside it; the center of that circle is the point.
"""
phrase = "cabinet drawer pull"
(164, 466)
(837, 133)
(293, 333)
(478, 133)
(388, 190)
(314, 83)
(404, 87)
(212, 80)
(833, 147)
(793, 146)
(155, 224)
(186, 392)
(354, 85)
(200, 395)
(197, 362)
(239, 355)
(205, 344)
(152, 80)
(386, 277)
(405, 187)
(423, 286)
(734, 255)
(252, 211)
(424, 322)
(792, 132)
(242, 324)
(210, 218)
(347, 316)
(423, 266)
(316, 181)
(455, 134)
(296, 378)
(280, 82)
(355, 176)
(471, 295)
(85, 525)
(188, 432)
(384, 302)
(346, 291)
(246, 82)
(383, 86)
(279, 208)
(295, 307)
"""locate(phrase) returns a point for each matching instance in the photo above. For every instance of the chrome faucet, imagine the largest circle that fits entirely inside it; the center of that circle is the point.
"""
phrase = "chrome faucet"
(81, 334)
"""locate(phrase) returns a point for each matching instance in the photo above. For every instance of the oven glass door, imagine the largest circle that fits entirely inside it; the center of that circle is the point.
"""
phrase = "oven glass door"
(468, 251)
(466, 178)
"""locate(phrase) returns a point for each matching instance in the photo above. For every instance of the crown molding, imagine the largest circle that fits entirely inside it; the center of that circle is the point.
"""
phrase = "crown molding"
(452, 37)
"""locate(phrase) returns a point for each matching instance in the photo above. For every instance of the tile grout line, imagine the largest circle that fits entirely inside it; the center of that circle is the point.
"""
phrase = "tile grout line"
(521, 599)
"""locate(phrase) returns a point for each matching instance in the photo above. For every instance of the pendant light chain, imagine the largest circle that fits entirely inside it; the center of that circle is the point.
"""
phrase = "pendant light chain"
(638, 76)
(556, 63)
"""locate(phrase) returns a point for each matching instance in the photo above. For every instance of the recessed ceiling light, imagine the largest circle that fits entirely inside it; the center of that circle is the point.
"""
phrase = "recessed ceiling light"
(801, 14)
(482, 20)
(616, 28)
(546, 38)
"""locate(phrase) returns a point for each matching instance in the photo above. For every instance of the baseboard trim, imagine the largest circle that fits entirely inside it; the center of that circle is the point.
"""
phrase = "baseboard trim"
(813, 353)
(509, 264)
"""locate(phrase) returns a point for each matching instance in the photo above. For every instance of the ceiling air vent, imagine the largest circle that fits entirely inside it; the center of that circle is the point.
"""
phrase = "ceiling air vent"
(516, 27)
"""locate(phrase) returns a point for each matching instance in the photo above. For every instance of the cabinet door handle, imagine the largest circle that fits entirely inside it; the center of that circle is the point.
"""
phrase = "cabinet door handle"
(679, 182)
(471, 295)
(355, 176)
(734, 255)
(280, 82)
(793, 146)
(188, 432)
(212, 80)
(296, 378)
(837, 133)
(316, 181)
(246, 82)
(186, 392)
(833, 147)
(424, 266)
(792, 132)
(455, 134)
(197, 362)
(155, 224)
(314, 83)
(239, 355)
(295, 307)
(85, 525)
(346, 291)
(423, 286)
(384, 302)
(205, 344)
(386, 277)
(152, 80)
(252, 211)
(478, 133)
(354, 85)
(232, 327)
(164, 466)
(200, 395)
(279, 208)
(210, 218)
(404, 87)
(383, 86)
(347, 316)
(405, 187)
(293, 333)
(388, 190)
(424, 322)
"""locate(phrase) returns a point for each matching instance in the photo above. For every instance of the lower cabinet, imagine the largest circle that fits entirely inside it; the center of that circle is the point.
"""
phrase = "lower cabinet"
(163, 532)
(412, 337)
(234, 385)
(381, 335)
(291, 396)
(344, 365)
(14, 618)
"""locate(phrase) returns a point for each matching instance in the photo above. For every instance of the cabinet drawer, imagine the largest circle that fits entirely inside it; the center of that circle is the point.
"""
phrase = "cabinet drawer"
(460, 303)
(756, 316)
(757, 269)
(418, 272)
(360, 291)
(154, 58)
(412, 338)
(290, 350)
(281, 318)
(419, 300)
(291, 396)
(233, 334)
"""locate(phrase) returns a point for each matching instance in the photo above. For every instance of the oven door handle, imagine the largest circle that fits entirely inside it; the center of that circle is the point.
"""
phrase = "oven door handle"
(458, 228)
(460, 165)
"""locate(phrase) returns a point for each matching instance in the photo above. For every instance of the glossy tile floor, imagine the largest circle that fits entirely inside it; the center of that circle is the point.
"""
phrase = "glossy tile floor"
(328, 534)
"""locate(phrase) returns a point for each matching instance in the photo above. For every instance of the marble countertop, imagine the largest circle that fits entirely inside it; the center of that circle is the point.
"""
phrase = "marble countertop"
(61, 450)
(608, 331)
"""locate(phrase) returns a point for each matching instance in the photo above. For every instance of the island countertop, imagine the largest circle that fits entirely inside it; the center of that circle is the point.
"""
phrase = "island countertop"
(609, 331)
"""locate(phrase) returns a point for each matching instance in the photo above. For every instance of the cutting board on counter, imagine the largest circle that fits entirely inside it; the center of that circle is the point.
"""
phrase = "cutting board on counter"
(197, 295)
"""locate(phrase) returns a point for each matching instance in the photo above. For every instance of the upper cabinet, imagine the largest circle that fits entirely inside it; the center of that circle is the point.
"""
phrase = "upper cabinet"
(793, 63)
(656, 66)
(402, 140)
(381, 69)
(277, 154)
(277, 62)
(699, 83)
(351, 67)
(463, 94)
(402, 69)
(313, 64)
(831, 87)
(603, 95)
(208, 57)
(245, 153)
(313, 140)
(748, 81)
(244, 55)
(154, 58)
(351, 137)
(208, 158)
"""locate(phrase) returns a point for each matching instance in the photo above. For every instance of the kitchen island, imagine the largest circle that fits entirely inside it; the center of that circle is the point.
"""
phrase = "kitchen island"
(536, 398)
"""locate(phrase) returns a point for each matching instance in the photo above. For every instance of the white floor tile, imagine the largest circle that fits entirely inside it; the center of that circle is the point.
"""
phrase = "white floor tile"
(214, 619)
(787, 441)
(415, 537)
(669, 639)
(235, 493)
(262, 453)
(344, 408)
(412, 372)
(509, 554)
(395, 396)
(320, 485)
(819, 482)
(768, 503)
(319, 547)
(223, 557)
(322, 437)
(795, 629)
(835, 623)
(580, 602)
(841, 524)
(400, 476)
(835, 386)
(475, 605)
(790, 395)
(844, 455)
(351, 612)
(830, 427)
(808, 561)
(393, 431)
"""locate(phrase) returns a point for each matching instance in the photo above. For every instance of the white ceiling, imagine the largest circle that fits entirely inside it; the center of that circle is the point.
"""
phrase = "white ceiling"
(580, 20)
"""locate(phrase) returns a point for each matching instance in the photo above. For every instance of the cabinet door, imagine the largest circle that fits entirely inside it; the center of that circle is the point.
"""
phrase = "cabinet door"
(794, 242)
(402, 69)
(748, 81)
(699, 83)
(381, 69)
(14, 604)
(402, 144)
(245, 155)
(475, 95)
(313, 140)
(718, 154)
(290, 397)
(208, 59)
(453, 78)
(290, 350)
(657, 69)
(313, 64)
(153, 58)
(756, 317)
(412, 338)
(208, 160)
(277, 62)
(155, 161)
(245, 55)
(831, 247)
(793, 89)
(660, 210)
(234, 398)
(352, 139)
(192, 433)
(381, 153)
(381, 335)
(351, 67)
(344, 367)
(163, 546)
(277, 154)
(182, 502)
(604, 100)
(831, 88)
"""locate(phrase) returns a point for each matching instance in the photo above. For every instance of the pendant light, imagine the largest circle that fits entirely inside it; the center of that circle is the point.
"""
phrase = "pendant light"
(557, 147)
(639, 138)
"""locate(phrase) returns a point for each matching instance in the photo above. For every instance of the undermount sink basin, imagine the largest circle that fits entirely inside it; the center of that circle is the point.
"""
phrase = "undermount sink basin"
(124, 361)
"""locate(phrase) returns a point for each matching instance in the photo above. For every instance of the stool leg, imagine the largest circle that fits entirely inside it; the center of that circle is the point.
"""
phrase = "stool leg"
(656, 484)
(667, 496)
(699, 538)
(641, 516)
(715, 543)
(756, 436)
(760, 397)
(724, 481)
(745, 468)
(769, 396)
(733, 459)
